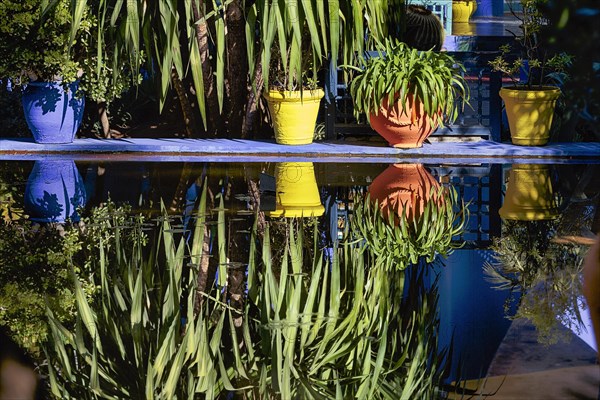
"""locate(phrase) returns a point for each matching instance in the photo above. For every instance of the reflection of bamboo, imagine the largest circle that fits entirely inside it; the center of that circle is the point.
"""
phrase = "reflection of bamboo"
(203, 271)
(184, 179)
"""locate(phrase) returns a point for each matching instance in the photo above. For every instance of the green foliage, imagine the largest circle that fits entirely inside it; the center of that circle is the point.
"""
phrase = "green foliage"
(32, 277)
(545, 273)
(37, 40)
(313, 325)
(338, 327)
(398, 240)
(35, 261)
(306, 34)
(401, 73)
(539, 65)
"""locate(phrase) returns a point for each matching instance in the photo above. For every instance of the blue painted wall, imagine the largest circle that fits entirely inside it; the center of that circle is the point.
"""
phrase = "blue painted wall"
(489, 8)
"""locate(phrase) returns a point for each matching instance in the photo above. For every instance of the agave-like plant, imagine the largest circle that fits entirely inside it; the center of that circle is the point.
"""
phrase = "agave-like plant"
(337, 326)
(317, 324)
(141, 338)
(399, 240)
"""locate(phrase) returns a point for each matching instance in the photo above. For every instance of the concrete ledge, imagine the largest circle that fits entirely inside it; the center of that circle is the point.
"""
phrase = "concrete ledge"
(173, 149)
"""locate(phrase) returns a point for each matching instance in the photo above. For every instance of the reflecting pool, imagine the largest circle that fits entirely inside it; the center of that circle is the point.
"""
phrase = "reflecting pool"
(294, 279)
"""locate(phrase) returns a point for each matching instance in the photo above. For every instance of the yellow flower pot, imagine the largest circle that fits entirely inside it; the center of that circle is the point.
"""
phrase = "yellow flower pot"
(529, 194)
(297, 191)
(529, 114)
(462, 11)
(294, 116)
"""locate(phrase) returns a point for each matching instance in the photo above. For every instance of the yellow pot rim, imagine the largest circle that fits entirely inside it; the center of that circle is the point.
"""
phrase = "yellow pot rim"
(300, 211)
(543, 93)
(295, 95)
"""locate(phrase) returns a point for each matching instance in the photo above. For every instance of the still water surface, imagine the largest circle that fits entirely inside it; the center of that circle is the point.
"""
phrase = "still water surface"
(288, 282)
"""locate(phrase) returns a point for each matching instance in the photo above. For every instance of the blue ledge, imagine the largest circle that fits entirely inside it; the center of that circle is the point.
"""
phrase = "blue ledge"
(174, 149)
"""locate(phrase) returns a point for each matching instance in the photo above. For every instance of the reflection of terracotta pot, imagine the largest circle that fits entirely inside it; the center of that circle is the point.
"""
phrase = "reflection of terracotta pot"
(403, 188)
(529, 194)
(297, 191)
(54, 191)
(406, 128)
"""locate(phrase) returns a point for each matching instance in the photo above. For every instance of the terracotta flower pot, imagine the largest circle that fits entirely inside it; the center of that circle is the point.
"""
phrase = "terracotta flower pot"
(403, 188)
(406, 128)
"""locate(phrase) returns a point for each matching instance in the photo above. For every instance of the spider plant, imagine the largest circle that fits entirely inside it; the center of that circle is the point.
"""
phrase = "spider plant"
(398, 241)
(401, 73)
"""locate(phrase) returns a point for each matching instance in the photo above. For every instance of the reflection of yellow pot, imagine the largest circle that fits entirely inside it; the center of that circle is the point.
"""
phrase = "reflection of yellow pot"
(462, 11)
(529, 114)
(529, 194)
(294, 116)
(297, 191)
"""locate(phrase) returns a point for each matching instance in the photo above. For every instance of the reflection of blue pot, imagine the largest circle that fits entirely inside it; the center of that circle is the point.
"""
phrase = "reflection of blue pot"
(54, 191)
(53, 114)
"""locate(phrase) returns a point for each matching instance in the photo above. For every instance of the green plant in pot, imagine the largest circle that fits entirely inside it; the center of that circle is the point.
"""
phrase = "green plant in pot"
(57, 51)
(408, 93)
(530, 102)
(292, 51)
(290, 41)
(40, 49)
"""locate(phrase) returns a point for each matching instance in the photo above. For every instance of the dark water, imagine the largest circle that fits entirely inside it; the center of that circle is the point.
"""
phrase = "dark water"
(523, 266)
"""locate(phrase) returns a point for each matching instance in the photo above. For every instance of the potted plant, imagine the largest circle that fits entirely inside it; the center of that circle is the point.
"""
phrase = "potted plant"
(41, 51)
(408, 93)
(294, 99)
(292, 51)
(530, 100)
(462, 10)
(58, 52)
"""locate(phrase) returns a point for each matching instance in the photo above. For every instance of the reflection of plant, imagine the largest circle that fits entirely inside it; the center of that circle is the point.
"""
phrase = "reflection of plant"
(339, 327)
(331, 325)
(33, 276)
(547, 275)
(34, 271)
(399, 240)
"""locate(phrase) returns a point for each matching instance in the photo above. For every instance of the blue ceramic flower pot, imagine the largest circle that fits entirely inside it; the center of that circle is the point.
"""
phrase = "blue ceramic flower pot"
(54, 191)
(53, 114)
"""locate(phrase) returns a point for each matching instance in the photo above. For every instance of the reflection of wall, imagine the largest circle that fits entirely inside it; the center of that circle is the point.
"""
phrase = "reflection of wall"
(473, 311)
